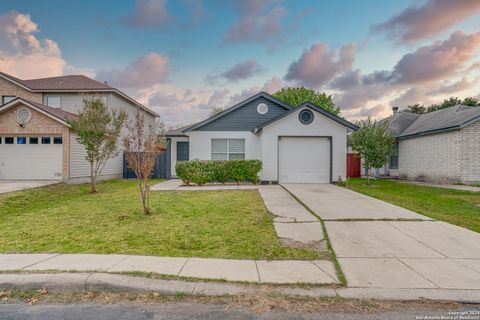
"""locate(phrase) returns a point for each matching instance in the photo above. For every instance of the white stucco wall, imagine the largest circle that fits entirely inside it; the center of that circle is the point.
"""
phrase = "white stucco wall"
(173, 153)
(291, 126)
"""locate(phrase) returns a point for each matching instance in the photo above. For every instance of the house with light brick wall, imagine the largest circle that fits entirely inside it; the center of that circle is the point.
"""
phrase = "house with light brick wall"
(440, 146)
(36, 142)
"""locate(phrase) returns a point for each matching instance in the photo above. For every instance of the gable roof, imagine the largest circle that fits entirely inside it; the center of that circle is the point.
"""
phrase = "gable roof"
(69, 83)
(55, 113)
(448, 119)
(400, 121)
(178, 132)
(313, 107)
(237, 106)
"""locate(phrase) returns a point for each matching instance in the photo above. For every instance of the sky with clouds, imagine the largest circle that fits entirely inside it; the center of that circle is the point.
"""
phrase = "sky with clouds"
(181, 58)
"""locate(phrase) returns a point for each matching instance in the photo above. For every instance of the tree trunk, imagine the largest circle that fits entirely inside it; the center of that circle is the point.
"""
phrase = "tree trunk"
(368, 177)
(144, 196)
(93, 179)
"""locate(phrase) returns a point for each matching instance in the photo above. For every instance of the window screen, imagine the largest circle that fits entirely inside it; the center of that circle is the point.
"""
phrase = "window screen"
(228, 149)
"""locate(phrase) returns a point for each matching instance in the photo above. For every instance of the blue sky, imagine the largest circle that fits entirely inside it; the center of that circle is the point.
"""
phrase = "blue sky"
(183, 57)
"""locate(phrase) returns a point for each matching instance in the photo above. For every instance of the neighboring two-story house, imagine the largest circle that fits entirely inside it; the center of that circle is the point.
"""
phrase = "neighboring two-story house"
(35, 139)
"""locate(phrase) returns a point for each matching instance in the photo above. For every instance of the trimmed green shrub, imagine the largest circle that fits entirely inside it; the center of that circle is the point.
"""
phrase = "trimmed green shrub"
(205, 171)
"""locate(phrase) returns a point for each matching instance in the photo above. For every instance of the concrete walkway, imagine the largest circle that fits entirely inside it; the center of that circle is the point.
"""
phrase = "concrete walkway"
(335, 203)
(393, 254)
(260, 271)
(17, 185)
(292, 221)
(445, 186)
(168, 185)
(177, 185)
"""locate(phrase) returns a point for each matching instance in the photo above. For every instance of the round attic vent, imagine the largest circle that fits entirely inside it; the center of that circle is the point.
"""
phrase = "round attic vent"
(305, 116)
(262, 108)
(23, 115)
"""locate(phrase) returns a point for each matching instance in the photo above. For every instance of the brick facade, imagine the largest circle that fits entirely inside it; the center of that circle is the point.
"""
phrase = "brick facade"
(38, 125)
(444, 157)
(9, 89)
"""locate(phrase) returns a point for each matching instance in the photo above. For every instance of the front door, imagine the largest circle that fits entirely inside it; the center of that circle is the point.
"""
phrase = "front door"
(182, 151)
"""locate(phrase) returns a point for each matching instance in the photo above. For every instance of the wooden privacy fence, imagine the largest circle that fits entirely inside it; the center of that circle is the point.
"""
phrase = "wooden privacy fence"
(160, 170)
(353, 166)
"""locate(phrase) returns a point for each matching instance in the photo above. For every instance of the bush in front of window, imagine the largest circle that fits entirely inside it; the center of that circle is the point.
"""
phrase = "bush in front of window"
(201, 172)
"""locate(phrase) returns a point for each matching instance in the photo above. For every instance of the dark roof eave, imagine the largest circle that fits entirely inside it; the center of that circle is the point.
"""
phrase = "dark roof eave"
(429, 132)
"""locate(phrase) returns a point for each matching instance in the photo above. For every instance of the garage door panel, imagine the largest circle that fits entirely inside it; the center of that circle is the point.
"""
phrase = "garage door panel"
(31, 161)
(304, 160)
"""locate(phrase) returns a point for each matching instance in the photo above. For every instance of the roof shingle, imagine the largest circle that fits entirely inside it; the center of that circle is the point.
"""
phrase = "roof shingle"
(405, 125)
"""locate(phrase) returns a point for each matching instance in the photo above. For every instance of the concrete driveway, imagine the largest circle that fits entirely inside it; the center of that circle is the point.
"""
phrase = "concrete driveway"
(380, 245)
(16, 185)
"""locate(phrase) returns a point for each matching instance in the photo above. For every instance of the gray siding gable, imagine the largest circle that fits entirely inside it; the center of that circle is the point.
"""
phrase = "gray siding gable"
(245, 118)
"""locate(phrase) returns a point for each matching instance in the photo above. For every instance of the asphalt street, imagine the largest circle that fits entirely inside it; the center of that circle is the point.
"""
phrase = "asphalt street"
(177, 311)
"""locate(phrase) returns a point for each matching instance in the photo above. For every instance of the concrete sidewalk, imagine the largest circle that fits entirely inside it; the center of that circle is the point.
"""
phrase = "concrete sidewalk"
(259, 271)
(88, 282)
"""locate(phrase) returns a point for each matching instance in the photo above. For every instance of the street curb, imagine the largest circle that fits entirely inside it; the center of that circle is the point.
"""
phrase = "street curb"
(82, 282)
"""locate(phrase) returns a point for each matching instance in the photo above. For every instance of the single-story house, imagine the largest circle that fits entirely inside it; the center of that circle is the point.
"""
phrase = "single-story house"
(36, 142)
(439, 146)
(304, 144)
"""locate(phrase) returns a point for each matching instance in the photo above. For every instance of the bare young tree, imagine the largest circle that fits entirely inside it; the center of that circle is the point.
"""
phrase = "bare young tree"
(142, 148)
(98, 130)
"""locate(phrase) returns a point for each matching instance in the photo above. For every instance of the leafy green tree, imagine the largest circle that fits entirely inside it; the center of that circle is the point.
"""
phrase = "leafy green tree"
(216, 110)
(471, 101)
(98, 130)
(373, 143)
(416, 108)
(447, 103)
(295, 96)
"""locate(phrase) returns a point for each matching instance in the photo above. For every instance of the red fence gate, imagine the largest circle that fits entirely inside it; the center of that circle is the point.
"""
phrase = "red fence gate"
(353, 166)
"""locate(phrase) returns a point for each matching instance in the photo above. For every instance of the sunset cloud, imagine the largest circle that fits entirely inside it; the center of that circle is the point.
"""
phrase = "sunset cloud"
(427, 19)
(438, 60)
(148, 13)
(22, 53)
(258, 21)
(318, 65)
(143, 73)
(240, 71)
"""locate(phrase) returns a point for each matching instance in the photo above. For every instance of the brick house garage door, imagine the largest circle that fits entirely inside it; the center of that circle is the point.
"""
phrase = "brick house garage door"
(31, 158)
(304, 160)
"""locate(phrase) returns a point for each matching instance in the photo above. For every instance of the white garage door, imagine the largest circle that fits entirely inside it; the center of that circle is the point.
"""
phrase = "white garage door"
(304, 160)
(34, 158)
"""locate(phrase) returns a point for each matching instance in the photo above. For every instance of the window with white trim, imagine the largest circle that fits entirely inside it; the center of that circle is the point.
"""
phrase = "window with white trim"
(228, 149)
(54, 101)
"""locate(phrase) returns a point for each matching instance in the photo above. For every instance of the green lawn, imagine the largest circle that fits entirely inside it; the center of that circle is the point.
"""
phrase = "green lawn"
(67, 219)
(454, 206)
